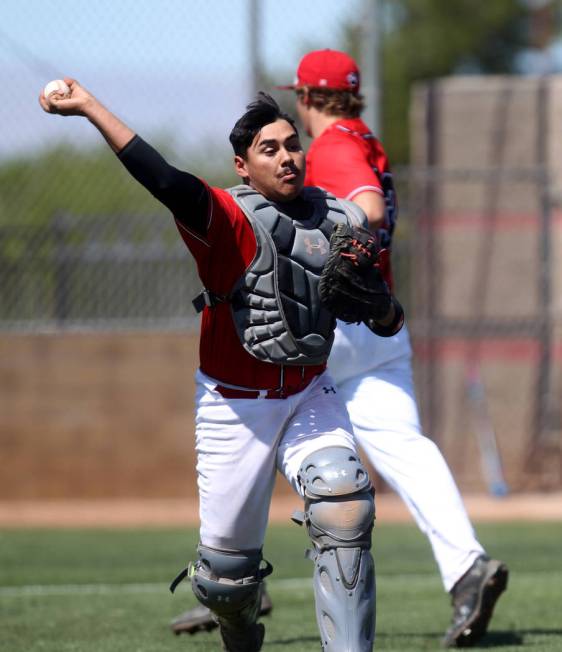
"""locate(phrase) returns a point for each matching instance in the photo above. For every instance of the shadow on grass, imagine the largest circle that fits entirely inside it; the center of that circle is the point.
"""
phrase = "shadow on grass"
(292, 641)
(499, 639)
(490, 640)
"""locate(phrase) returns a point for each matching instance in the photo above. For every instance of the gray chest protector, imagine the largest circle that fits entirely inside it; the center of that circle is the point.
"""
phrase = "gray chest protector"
(275, 305)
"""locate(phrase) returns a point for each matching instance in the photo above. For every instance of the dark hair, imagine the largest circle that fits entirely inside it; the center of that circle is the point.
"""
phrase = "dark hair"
(263, 111)
(340, 103)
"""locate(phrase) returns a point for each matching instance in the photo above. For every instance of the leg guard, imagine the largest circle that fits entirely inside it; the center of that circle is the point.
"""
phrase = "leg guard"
(229, 583)
(339, 517)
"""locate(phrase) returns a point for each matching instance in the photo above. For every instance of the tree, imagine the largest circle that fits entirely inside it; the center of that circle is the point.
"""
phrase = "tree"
(426, 39)
(87, 182)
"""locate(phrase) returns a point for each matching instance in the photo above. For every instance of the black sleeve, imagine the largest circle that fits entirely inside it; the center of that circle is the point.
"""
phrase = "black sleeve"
(183, 193)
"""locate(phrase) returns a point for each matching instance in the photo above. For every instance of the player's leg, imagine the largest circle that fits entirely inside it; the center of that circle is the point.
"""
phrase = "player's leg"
(384, 414)
(229, 584)
(317, 455)
(383, 411)
(236, 463)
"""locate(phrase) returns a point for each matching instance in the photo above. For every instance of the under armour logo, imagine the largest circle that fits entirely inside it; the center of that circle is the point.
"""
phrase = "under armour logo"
(328, 390)
(311, 246)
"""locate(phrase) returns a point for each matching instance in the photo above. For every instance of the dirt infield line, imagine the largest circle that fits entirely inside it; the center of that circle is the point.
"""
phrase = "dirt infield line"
(181, 512)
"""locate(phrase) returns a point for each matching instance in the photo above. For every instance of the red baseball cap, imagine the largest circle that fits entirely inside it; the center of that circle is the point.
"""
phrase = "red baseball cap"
(327, 69)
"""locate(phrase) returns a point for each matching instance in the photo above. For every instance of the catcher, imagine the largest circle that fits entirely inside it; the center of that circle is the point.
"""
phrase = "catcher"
(262, 250)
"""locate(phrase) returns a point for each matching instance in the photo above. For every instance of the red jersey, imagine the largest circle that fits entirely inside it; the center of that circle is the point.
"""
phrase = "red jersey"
(346, 159)
(222, 257)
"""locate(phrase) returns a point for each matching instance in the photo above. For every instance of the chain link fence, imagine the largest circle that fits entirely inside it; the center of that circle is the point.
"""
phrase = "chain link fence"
(83, 248)
(486, 373)
(103, 272)
(180, 74)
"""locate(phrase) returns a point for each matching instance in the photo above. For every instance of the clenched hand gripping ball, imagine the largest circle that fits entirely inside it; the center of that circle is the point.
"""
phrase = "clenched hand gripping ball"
(57, 87)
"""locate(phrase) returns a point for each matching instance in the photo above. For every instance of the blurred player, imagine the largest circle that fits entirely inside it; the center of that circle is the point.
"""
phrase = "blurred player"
(265, 401)
(374, 374)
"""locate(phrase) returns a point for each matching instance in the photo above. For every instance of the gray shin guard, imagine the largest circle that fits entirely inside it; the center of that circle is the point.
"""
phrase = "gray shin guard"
(339, 517)
(344, 590)
(230, 584)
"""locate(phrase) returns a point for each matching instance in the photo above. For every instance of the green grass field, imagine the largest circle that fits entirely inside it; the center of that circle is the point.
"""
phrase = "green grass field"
(103, 590)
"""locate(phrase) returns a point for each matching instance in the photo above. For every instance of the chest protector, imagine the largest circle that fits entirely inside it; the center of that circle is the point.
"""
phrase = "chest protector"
(275, 305)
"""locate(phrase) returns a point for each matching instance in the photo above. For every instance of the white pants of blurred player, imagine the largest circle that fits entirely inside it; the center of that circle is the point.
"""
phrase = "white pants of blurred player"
(374, 377)
(241, 443)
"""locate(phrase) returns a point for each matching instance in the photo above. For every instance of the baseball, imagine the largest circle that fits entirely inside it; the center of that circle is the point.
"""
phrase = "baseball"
(56, 86)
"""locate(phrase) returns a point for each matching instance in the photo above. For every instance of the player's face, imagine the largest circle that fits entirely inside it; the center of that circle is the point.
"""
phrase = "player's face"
(274, 163)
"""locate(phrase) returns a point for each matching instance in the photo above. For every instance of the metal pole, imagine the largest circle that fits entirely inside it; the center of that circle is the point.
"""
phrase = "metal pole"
(539, 445)
(433, 309)
(61, 271)
(254, 40)
(370, 65)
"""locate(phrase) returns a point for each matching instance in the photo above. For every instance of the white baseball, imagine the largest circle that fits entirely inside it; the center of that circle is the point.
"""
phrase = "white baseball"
(56, 86)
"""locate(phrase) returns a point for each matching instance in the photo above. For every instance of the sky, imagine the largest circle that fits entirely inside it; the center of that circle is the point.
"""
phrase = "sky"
(175, 70)
(168, 67)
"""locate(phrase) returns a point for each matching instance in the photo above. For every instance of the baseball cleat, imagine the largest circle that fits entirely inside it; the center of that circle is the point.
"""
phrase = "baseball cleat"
(200, 619)
(473, 598)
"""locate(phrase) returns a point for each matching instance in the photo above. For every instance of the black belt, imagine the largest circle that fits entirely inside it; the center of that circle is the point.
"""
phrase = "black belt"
(280, 392)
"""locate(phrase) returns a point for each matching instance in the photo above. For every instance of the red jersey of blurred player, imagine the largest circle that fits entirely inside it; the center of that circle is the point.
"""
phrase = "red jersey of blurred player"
(346, 159)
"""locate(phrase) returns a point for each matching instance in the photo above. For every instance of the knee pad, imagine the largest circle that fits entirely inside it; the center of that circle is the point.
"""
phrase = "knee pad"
(228, 582)
(339, 503)
(339, 516)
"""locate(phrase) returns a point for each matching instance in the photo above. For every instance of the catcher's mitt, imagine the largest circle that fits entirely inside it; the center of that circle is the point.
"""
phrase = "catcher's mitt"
(351, 285)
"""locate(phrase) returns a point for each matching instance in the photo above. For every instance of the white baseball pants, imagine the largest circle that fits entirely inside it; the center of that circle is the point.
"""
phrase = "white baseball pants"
(383, 410)
(241, 443)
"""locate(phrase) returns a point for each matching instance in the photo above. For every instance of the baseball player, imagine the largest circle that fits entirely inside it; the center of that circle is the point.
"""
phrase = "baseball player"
(374, 374)
(264, 398)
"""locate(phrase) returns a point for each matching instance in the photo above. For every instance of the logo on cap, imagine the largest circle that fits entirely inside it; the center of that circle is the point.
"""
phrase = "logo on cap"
(353, 79)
